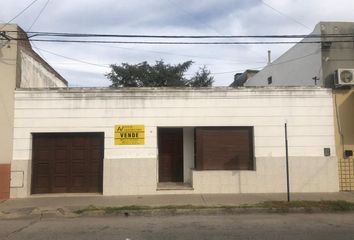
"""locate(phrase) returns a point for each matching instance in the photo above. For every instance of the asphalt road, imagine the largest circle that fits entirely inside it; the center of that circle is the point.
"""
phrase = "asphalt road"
(243, 226)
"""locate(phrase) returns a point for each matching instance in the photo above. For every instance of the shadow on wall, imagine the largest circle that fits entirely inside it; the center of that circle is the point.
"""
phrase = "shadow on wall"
(346, 117)
(329, 81)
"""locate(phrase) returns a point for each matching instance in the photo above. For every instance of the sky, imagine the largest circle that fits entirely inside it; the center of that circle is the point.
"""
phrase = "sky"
(85, 64)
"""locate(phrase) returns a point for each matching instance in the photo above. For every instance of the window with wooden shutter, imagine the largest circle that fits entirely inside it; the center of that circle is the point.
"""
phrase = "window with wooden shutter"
(224, 148)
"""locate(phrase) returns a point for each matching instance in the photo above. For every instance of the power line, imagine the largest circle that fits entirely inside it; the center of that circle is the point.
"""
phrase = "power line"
(173, 54)
(215, 73)
(106, 66)
(37, 34)
(100, 35)
(212, 73)
(40, 13)
(74, 59)
(28, 6)
(39, 52)
(285, 15)
(294, 59)
(181, 43)
(234, 71)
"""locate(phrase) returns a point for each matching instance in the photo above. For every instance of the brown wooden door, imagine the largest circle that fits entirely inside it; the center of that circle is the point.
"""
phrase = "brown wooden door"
(67, 162)
(170, 144)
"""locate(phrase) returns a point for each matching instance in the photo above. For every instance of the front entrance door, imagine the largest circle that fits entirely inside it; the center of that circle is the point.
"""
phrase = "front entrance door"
(170, 144)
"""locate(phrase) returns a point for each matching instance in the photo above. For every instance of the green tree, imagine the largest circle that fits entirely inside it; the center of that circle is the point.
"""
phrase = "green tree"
(202, 78)
(158, 75)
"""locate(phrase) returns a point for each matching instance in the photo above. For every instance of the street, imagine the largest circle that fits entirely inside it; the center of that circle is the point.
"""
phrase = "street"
(244, 226)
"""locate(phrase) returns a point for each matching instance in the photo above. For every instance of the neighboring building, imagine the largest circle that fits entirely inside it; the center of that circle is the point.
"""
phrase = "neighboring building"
(343, 102)
(321, 64)
(312, 64)
(20, 67)
(241, 78)
(135, 141)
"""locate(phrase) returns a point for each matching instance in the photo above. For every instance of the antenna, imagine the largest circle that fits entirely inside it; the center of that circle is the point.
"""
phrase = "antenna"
(269, 57)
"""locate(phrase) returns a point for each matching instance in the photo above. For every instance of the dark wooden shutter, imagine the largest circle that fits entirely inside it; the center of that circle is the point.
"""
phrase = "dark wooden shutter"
(224, 148)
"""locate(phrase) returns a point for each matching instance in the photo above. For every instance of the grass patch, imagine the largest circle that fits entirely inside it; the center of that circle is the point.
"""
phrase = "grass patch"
(338, 205)
(281, 206)
(110, 210)
(308, 205)
(90, 208)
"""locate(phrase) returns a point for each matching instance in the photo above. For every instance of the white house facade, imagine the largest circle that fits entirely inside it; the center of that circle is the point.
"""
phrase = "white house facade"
(212, 140)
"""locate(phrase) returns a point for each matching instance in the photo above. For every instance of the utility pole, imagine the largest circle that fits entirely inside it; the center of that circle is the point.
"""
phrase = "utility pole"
(287, 162)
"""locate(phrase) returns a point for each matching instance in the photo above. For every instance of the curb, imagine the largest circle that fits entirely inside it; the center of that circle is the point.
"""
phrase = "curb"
(37, 212)
(63, 212)
(206, 211)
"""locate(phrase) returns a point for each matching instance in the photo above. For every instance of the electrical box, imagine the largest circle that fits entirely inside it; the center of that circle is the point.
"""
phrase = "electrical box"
(327, 152)
(348, 153)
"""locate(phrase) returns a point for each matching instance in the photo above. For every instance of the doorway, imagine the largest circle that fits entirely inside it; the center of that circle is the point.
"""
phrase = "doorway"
(170, 149)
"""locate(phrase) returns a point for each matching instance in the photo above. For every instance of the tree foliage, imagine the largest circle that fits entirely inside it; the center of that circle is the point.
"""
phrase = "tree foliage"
(159, 75)
(202, 78)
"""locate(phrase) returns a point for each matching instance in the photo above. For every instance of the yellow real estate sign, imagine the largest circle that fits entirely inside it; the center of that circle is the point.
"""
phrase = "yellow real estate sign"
(129, 134)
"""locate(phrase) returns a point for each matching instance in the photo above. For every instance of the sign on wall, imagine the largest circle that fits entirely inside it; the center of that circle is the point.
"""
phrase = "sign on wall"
(129, 134)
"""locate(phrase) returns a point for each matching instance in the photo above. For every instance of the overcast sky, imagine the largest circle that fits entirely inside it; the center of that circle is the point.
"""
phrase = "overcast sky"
(169, 17)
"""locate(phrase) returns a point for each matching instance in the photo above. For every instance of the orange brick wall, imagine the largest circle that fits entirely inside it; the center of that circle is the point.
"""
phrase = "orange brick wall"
(4, 181)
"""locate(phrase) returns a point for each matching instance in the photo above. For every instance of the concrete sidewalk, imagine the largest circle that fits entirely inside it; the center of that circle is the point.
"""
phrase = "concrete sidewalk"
(65, 205)
(81, 200)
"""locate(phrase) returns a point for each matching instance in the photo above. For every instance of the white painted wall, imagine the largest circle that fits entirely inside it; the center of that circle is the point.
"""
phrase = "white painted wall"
(296, 67)
(188, 153)
(307, 174)
(133, 169)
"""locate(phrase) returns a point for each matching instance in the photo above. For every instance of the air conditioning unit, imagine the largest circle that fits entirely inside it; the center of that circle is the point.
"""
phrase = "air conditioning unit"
(344, 77)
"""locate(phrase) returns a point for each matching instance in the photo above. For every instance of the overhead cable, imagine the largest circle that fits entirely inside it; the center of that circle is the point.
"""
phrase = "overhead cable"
(180, 43)
(99, 35)
(95, 35)
(285, 15)
(39, 14)
(19, 14)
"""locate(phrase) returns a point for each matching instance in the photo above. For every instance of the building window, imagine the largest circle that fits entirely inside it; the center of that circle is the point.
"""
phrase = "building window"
(270, 80)
(224, 148)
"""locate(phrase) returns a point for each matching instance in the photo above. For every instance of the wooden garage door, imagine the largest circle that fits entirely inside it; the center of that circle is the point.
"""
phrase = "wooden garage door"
(67, 162)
